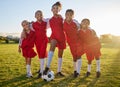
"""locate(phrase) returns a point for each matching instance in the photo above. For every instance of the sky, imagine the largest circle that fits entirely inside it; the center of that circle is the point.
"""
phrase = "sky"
(104, 15)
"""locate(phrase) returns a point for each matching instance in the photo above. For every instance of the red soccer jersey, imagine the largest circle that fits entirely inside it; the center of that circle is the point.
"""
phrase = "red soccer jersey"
(56, 24)
(29, 40)
(28, 44)
(41, 38)
(71, 32)
(40, 31)
(91, 43)
(88, 38)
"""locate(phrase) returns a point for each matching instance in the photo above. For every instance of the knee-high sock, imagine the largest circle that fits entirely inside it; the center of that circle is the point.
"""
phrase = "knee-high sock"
(98, 65)
(50, 55)
(41, 65)
(59, 64)
(79, 64)
(89, 68)
(28, 69)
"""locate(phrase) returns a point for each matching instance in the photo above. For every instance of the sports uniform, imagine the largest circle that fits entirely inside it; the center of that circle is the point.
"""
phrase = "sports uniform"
(41, 38)
(27, 45)
(71, 31)
(91, 43)
(56, 24)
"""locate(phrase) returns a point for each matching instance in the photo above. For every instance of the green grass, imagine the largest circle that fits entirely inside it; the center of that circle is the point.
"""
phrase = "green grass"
(13, 71)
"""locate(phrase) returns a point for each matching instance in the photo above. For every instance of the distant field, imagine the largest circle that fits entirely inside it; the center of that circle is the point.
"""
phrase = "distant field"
(13, 71)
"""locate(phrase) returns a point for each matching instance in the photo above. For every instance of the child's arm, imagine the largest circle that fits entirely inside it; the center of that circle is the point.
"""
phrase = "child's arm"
(94, 33)
(20, 41)
(31, 25)
(77, 23)
(47, 20)
(19, 49)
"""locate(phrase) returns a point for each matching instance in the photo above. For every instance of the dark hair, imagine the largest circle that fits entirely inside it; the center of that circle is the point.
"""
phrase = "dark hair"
(86, 20)
(38, 11)
(57, 4)
(70, 10)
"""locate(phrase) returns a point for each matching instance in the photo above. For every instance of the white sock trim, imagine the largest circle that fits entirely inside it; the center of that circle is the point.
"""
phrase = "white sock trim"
(79, 65)
(50, 55)
(41, 65)
(97, 65)
(28, 68)
(89, 68)
(59, 64)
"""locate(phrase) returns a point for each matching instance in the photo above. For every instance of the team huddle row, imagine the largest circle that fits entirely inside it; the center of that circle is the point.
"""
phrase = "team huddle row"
(79, 36)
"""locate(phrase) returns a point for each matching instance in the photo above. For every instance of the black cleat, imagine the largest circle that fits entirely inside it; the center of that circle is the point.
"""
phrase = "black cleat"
(39, 75)
(60, 74)
(45, 71)
(87, 74)
(98, 74)
(76, 74)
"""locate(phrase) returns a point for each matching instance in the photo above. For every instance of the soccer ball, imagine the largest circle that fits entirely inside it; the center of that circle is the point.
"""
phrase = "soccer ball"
(49, 77)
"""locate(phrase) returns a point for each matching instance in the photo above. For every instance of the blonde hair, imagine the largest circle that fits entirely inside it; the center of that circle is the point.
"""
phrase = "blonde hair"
(24, 21)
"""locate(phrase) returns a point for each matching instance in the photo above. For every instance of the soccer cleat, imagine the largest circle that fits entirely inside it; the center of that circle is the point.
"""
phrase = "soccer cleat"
(45, 71)
(87, 74)
(60, 74)
(39, 75)
(98, 74)
(76, 74)
(29, 75)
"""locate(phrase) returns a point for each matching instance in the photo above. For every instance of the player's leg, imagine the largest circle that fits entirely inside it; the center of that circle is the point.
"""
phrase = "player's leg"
(79, 65)
(28, 67)
(40, 73)
(79, 52)
(88, 68)
(43, 54)
(60, 55)
(75, 67)
(53, 43)
(74, 55)
(90, 57)
(98, 67)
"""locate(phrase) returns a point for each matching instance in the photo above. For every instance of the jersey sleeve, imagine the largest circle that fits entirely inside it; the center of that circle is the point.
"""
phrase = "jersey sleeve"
(47, 20)
(94, 33)
(31, 26)
(77, 23)
(21, 38)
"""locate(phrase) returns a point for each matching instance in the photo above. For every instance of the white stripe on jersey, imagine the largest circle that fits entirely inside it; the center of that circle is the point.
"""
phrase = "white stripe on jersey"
(77, 23)
(47, 20)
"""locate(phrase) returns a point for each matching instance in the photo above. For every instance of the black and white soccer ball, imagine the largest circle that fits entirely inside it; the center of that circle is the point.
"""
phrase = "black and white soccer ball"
(49, 77)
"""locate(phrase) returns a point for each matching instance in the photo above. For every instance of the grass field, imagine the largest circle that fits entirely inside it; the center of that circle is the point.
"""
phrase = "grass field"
(13, 71)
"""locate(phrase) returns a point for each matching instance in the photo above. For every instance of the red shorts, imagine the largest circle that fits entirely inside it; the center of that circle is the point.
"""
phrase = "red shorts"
(76, 50)
(28, 52)
(41, 49)
(60, 44)
(93, 52)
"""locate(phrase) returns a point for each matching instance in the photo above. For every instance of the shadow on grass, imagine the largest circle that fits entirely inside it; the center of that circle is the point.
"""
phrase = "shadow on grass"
(13, 80)
(23, 81)
(64, 82)
(92, 83)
